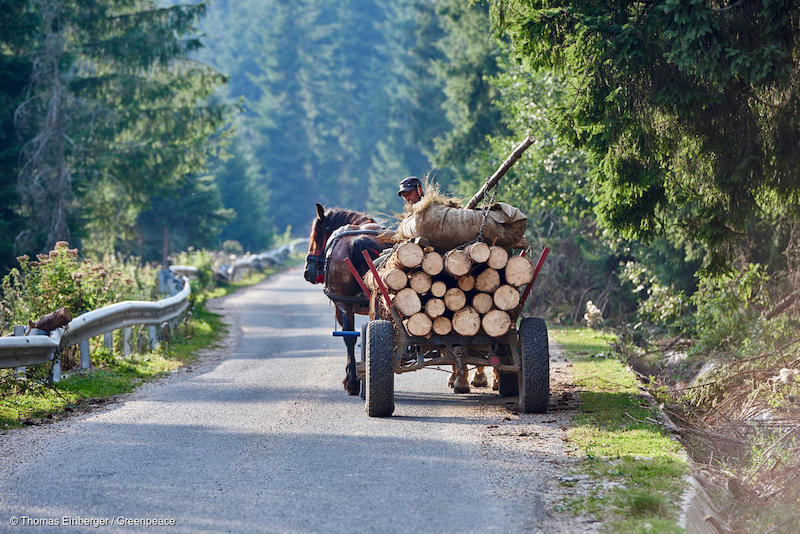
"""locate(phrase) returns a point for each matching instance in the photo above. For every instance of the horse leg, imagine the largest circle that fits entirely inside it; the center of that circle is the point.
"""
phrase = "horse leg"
(479, 379)
(350, 382)
(496, 381)
(452, 380)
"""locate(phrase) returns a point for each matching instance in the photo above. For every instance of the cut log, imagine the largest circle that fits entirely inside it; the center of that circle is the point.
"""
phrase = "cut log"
(498, 257)
(434, 308)
(467, 321)
(482, 302)
(395, 279)
(506, 297)
(466, 282)
(407, 302)
(519, 271)
(420, 281)
(455, 299)
(438, 289)
(409, 255)
(432, 263)
(496, 323)
(478, 252)
(488, 281)
(418, 324)
(457, 263)
(442, 326)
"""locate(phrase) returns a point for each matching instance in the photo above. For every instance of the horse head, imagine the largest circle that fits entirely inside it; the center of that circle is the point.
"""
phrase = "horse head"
(314, 270)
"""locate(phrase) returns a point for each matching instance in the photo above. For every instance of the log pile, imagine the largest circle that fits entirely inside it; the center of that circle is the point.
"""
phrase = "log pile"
(466, 291)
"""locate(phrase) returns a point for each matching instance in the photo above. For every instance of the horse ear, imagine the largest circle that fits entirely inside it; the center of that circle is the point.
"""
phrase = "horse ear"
(320, 212)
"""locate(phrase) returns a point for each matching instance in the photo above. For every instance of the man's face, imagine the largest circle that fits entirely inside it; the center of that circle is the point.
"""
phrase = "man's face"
(413, 196)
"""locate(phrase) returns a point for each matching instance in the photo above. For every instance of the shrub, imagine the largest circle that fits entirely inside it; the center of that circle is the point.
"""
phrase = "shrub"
(59, 279)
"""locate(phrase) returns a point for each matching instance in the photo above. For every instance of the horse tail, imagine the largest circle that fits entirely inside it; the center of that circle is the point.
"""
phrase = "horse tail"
(360, 244)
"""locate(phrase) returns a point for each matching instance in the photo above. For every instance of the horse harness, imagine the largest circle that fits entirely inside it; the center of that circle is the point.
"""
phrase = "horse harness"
(321, 263)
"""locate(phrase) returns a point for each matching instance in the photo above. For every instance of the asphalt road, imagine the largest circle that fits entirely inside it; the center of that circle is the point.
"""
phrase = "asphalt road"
(261, 437)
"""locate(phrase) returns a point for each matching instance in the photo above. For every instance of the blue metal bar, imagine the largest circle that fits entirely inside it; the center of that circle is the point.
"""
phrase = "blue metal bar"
(346, 333)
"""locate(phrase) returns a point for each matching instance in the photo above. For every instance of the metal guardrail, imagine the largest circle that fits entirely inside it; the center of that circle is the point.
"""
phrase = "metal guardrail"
(20, 350)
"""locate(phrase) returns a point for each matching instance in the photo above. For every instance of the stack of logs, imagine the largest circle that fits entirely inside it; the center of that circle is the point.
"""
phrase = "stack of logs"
(465, 290)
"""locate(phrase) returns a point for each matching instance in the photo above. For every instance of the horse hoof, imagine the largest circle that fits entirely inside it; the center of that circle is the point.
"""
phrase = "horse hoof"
(461, 385)
(480, 381)
(495, 385)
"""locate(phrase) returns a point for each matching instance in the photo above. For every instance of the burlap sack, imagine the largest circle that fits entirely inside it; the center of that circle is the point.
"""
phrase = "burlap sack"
(447, 228)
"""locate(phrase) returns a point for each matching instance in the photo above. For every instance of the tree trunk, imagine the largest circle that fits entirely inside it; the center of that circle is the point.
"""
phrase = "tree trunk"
(506, 297)
(434, 308)
(482, 302)
(498, 257)
(457, 263)
(467, 321)
(496, 323)
(432, 263)
(395, 279)
(478, 252)
(519, 271)
(420, 281)
(418, 324)
(407, 302)
(455, 299)
(466, 282)
(438, 289)
(442, 326)
(409, 255)
(488, 281)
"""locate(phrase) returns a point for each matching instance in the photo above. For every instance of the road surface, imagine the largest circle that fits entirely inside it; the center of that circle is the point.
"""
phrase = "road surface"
(259, 436)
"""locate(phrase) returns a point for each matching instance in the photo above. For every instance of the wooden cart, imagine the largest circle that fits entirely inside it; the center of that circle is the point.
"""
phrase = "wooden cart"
(521, 357)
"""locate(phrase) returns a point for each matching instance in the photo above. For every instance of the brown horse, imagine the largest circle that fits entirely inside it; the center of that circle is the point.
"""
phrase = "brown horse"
(336, 235)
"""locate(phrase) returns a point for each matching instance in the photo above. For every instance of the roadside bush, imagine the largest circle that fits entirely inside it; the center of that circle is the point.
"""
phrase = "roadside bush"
(729, 311)
(662, 305)
(59, 279)
(204, 261)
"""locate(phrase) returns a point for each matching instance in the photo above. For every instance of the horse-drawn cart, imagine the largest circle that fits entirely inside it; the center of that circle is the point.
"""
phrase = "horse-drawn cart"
(520, 356)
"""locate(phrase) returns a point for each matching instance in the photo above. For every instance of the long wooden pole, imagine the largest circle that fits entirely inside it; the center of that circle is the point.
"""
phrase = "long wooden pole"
(493, 179)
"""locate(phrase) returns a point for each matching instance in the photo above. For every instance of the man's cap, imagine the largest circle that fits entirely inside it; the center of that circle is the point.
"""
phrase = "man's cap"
(409, 183)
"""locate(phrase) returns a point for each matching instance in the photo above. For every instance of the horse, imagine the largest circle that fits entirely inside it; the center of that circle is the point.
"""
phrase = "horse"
(338, 234)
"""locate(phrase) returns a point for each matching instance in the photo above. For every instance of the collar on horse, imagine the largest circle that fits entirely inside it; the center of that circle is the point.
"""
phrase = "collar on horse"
(320, 263)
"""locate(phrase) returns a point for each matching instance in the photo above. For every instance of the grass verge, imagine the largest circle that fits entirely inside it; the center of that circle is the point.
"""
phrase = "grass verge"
(30, 402)
(637, 469)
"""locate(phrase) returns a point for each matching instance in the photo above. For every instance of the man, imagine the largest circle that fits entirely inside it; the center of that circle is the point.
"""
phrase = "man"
(411, 189)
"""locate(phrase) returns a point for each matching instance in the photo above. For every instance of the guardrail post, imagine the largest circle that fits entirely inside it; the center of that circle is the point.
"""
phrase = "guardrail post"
(108, 340)
(126, 341)
(53, 356)
(151, 330)
(86, 360)
(19, 330)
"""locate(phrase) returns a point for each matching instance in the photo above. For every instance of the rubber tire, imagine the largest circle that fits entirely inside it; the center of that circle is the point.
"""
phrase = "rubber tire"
(534, 395)
(508, 384)
(379, 369)
(363, 392)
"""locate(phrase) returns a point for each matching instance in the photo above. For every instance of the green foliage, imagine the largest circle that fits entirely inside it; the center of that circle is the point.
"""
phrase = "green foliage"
(660, 305)
(729, 308)
(59, 279)
(676, 104)
(116, 113)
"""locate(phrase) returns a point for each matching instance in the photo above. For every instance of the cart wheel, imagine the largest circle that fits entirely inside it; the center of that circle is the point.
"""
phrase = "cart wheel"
(534, 394)
(508, 384)
(364, 358)
(379, 369)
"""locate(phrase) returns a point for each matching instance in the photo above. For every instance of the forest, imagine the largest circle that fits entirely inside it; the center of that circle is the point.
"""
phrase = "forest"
(663, 176)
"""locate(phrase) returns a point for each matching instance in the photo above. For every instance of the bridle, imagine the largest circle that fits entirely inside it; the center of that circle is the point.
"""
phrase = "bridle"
(317, 264)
